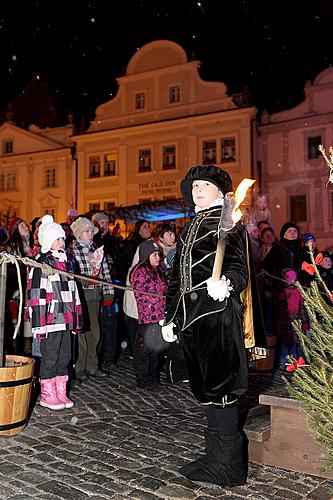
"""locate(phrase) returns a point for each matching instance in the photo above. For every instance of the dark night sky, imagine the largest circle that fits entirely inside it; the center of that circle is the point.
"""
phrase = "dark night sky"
(79, 47)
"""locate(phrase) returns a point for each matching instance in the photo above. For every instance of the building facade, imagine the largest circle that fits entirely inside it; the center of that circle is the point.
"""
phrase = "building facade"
(163, 120)
(37, 173)
(293, 171)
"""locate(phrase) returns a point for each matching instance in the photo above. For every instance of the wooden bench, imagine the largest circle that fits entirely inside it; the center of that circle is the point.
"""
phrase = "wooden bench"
(279, 435)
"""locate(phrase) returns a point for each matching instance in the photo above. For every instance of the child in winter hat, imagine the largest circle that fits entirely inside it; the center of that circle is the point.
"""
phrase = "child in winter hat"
(55, 312)
(48, 232)
(82, 224)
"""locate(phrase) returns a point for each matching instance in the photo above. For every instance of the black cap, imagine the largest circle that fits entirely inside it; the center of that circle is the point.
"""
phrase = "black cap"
(210, 173)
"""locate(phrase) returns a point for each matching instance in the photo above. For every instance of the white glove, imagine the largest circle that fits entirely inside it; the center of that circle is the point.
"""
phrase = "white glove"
(167, 331)
(219, 290)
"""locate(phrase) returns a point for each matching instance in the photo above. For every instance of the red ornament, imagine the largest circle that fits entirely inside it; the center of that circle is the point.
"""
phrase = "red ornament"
(299, 363)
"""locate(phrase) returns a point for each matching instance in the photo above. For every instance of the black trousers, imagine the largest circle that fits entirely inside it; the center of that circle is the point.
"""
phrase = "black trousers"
(175, 365)
(55, 354)
(107, 347)
(146, 362)
(215, 356)
(131, 330)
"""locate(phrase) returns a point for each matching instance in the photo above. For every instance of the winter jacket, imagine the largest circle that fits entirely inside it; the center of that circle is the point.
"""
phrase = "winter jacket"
(53, 301)
(150, 308)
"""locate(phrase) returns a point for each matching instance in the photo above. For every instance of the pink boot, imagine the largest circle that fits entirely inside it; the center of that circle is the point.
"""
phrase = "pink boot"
(61, 383)
(48, 394)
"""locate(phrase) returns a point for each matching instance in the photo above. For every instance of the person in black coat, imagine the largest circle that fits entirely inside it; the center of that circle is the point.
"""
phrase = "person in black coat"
(208, 317)
(287, 254)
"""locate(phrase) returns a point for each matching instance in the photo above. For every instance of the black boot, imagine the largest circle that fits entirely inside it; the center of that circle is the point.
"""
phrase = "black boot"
(227, 464)
(205, 459)
(225, 461)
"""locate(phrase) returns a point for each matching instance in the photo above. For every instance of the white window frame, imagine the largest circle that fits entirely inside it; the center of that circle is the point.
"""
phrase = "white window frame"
(233, 158)
(90, 164)
(169, 166)
(139, 151)
(172, 94)
(50, 177)
(110, 160)
(209, 161)
(140, 100)
(7, 146)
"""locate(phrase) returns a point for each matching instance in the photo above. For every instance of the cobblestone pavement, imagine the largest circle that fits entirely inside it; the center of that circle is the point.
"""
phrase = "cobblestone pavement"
(119, 443)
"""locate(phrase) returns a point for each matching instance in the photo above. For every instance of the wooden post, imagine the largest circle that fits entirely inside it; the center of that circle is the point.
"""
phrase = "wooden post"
(3, 280)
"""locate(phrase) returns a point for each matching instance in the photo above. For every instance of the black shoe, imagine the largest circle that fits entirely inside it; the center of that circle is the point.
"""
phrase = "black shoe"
(109, 367)
(82, 376)
(154, 388)
(97, 373)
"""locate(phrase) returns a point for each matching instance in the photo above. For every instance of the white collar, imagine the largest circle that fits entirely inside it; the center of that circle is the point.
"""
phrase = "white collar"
(219, 201)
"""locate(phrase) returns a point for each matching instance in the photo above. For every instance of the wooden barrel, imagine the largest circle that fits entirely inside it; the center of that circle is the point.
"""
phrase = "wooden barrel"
(266, 365)
(15, 390)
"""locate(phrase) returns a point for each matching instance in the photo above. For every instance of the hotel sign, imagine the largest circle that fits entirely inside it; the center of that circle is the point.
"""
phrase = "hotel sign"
(157, 187)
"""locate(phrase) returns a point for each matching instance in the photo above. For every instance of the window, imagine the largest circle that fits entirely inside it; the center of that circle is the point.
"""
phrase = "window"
(50, 211)
(140, 100)
(108, 206)
(94, 166)
(169, 157)
(7, 146)
(174, 94)
(8, 182)
(313, 151)
(94, 206)
(208, 152)
(110, 164)
(50, 177)
(298, 208)
(144, 160)
(228, 149)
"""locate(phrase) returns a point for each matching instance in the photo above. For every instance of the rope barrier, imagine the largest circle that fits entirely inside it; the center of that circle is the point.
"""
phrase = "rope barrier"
(48, 270)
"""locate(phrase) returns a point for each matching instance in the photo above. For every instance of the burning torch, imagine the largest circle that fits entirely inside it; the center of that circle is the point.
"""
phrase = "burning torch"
(230, 215)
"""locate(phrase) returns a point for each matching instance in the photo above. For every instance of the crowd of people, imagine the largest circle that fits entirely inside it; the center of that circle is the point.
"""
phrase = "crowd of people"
(101, 318)
(150, 294)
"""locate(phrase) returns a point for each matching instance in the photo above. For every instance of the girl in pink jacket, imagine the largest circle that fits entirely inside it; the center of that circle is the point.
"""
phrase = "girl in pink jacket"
(148, 277)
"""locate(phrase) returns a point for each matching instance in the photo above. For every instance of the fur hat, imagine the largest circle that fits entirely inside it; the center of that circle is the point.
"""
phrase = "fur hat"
(82, 224)
(285, 228)
(14, 225)
(210, 173)
(308, 236)
(146, 249)
(96, 218)
(48, 232)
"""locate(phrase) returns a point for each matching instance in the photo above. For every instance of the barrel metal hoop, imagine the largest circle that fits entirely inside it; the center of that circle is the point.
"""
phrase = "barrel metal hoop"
(14, 425)
(15, 383)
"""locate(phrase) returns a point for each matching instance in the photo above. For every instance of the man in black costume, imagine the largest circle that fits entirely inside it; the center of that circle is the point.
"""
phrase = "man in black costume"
(214, 322)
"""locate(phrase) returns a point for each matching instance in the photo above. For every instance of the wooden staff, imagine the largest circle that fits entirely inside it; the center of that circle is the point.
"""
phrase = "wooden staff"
(225, 224)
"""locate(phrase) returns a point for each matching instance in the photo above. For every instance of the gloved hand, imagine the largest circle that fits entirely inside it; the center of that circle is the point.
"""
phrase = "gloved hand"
(167, 331)
(107, 303)
(219, 290)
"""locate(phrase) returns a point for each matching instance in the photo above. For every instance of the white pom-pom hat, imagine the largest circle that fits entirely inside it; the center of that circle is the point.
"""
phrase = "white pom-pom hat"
(48, 232)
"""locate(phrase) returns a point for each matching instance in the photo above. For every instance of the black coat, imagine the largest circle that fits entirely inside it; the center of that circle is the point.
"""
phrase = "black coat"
(211, 332)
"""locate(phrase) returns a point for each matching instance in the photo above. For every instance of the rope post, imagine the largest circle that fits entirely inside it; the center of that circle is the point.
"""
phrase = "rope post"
(3, 280)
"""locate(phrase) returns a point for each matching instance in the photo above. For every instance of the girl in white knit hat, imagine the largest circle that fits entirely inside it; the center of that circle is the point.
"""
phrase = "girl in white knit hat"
(55, 312)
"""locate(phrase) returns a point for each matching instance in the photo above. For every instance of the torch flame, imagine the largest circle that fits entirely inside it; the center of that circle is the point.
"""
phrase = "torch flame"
(240, 194)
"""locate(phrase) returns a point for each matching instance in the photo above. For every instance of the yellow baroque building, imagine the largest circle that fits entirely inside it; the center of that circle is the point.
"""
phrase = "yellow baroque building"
(163, 120)
(36, 172)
